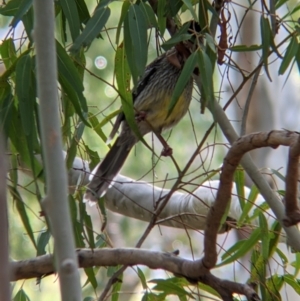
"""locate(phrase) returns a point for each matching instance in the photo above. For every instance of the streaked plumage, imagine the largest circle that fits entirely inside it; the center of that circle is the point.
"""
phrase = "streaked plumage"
(152, 97)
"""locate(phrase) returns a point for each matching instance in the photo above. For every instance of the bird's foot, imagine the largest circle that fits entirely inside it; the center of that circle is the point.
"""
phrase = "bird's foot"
(167, 151)
(140, 116)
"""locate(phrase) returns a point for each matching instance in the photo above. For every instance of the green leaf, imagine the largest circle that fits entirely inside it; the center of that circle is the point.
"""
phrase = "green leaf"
(290, 280)
(20, 141)
(279, 3)
(67, 69)
(148, 14)
(282, 256)
(240, 248)
(71, 153)
(8, 52)
(25, 95)
(296, 264)
(189, 5)
(257, 267)
(265, 236)
(6, 103)
(97, 126)
(149, 296)
(73, 96)
(298, 58)
(69, 8)
(244, 48)
(239, 179)
(93, 157)
(116, 289)
(92, 29)
(273, 287)
(101, 241)
(274, 238)
(210, 42)
(122, 73)
(138, 34)
(142, 278)
(124, 12)
(27, 20)
(89, 229)
(208, 289)
(22, 212)
(248, 205)
(206, 73)
(182, 81)
(21, 11)
(83, 11)
(161, 16)
(171, 286)
(21, 296)
(78, 234)
(290, 54)
(173, 7)
(42, 242)
(90, 273)
(71, 82)
(203, 15)
(10, 9)
(181, 35)
(266, 34)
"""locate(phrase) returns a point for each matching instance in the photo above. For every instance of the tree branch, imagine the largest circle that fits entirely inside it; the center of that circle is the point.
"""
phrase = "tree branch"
(43, 265)
(56, 202)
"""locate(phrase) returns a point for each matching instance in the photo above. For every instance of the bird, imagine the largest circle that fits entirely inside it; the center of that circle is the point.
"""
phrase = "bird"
(151, 100)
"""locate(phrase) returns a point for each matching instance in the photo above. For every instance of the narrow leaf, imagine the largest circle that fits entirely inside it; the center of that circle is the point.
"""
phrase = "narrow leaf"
(138, 34)
(71, 153)
(69, 90)
(248, 205)
(8, 52)
(142, 278)
(21, 11)
(266, 34)
(23, 86)
(183, 79)
(42, 242)
(69, 8)
(289, 279)
(239, 178)
(161, 16)
(122, 73)
(92, 29)
(6, 102)
(21, 296)
(240, 248)
(290, 53)
(83, 11)
(244, 48)
(124, 12)
(23, 213)
(206, 73)
(10, 9)
(265, 236)
(189, 5)
(148, 15)
(90, 273)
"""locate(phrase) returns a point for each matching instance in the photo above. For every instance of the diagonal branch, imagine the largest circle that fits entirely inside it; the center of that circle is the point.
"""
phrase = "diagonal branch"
(239, 148)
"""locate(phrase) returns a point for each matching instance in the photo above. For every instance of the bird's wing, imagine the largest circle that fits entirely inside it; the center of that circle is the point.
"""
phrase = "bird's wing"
(149, 71)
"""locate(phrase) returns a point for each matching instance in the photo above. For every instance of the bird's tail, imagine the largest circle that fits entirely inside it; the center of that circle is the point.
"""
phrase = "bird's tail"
(108, 168)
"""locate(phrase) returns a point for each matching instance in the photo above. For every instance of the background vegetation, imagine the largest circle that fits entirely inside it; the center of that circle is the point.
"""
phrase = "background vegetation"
(243, 56)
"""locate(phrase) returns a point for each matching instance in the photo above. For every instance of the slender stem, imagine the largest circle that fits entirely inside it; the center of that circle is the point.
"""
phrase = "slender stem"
(4, 252)
(56, 203)
(248, 101)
